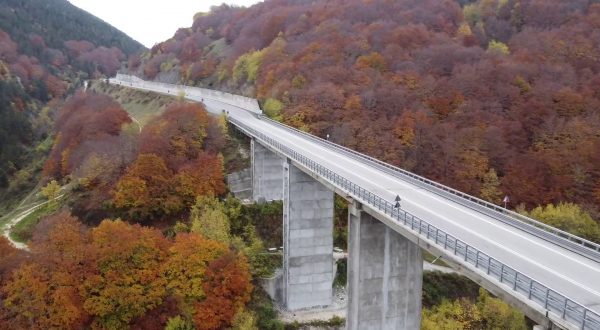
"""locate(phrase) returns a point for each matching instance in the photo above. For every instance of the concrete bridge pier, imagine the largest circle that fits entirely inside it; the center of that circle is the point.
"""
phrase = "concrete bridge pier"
(308, 270)
(385, 275)
(267, 173)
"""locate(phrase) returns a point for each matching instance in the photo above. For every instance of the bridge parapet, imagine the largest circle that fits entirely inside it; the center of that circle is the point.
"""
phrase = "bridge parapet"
(191, 92)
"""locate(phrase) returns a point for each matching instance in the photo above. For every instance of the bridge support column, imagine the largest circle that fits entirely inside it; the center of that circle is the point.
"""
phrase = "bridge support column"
(308, 241)
(267, 173)
(385, 275)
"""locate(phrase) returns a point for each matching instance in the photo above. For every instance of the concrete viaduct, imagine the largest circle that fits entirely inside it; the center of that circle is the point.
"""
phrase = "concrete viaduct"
(552, 276)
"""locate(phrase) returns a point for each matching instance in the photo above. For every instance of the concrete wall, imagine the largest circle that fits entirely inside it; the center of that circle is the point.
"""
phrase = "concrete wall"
(240, 183)
(384, 276)
(274, 285)
(196, 92)
(267, 173)
(308, 270)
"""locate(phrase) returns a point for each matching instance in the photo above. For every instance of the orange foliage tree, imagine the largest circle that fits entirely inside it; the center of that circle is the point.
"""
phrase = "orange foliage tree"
(118, 275)
(227, 288)
(177, 162)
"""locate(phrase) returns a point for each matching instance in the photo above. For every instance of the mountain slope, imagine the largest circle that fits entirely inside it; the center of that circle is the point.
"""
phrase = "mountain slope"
(48, 48)
(58, 21)
(493, 97)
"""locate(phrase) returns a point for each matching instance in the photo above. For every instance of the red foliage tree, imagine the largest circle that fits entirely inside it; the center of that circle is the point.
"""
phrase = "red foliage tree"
(84, 117)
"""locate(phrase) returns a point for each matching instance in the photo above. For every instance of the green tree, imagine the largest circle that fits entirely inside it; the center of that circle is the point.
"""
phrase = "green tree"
(208, 217)
(489, 189)
(451, 315)
(51, 192)
(487, 313)
(244, 320)
(568, 217)
(247, 66)
(498, 47)
(496, 314)
(179, 323)
(273, 108)
(471, 13)
(261, 264)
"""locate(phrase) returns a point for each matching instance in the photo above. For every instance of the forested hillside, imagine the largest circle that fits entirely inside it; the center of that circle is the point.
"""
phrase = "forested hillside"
(493, 97)
(58, 21)
(47, 50)
(187, 267)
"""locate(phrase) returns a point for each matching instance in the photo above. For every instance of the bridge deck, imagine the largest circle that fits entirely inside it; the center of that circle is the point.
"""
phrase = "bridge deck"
(558, 268)
(566, 272)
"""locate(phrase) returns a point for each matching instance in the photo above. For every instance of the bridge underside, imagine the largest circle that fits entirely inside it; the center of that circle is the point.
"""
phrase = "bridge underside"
(384, 268)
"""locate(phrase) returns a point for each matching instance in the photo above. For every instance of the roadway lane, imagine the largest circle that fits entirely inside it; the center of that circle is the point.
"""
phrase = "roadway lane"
(560, 269)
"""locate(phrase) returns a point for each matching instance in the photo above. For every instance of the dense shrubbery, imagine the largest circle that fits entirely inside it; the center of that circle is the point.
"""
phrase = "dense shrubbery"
(438, 286)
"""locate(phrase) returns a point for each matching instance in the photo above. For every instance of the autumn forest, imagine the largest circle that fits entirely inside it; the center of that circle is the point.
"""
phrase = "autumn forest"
(132, 224)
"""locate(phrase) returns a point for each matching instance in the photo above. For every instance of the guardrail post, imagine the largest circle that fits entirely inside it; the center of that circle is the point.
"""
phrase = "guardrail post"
(530, 288)
(477, 259)
(501, 273)
(546, 300)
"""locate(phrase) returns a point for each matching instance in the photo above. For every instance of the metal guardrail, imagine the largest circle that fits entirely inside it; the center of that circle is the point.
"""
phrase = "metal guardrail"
(551, 300)
(565, 239)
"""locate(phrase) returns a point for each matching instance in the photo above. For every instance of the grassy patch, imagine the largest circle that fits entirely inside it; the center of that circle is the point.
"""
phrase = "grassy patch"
(23, 230)
(142, 106)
